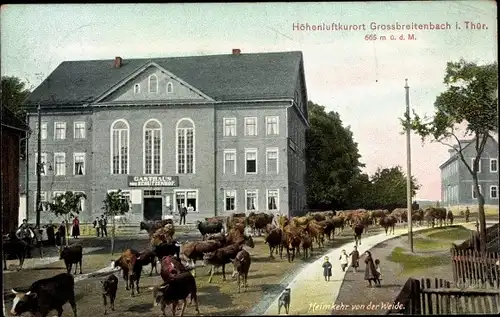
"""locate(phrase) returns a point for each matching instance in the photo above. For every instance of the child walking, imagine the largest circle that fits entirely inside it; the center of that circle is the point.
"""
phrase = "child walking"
(344, 260)
(377, 268)
(327, 269)
(354, 259)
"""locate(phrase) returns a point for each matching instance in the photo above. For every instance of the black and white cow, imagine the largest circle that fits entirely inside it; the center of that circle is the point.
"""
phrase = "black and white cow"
(46, 295)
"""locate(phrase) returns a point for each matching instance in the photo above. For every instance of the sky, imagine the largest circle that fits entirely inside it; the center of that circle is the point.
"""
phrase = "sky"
(361, 79)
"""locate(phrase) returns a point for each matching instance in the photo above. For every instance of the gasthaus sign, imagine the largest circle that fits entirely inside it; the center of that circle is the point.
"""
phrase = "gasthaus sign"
(153, 181)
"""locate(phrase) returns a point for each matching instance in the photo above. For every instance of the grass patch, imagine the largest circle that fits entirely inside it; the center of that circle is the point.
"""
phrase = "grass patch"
(451, 234)
(423, 244)
(412, 263)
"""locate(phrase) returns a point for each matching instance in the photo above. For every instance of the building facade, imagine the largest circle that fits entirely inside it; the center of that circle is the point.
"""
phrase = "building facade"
(13, 131)
(219, 134)
(457, 187)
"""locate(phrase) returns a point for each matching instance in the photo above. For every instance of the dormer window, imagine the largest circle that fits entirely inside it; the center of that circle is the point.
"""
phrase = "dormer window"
(170, 88)
(153, 84)
(137, 89)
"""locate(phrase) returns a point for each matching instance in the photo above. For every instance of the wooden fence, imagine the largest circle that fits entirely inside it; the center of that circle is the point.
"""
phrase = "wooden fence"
(438, 297)
(472, 268)
(492, 238)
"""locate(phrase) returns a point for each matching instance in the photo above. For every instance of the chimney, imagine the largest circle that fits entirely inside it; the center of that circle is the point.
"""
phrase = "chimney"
(118, 62)
(236, 51)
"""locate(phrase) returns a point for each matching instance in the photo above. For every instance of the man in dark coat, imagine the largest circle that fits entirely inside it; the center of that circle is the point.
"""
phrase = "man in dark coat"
(96, 226)
(103, 222)
(183, 212)
(51, 233)
(62, 234)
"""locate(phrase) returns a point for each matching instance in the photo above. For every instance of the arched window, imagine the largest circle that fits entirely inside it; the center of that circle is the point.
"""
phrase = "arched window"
(170, 88)
(185, 146)
(152, 147)
(137, 89)
(153, 83)
(120, 135)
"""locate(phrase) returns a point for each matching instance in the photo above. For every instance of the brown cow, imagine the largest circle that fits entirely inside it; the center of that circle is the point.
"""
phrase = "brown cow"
(307, 244)
(131, 268)
(273, 239)
(291, 240)
(316, 230)
(258, 222)
(388, 223)
(242, 266)
(194, 251)
(170, 267)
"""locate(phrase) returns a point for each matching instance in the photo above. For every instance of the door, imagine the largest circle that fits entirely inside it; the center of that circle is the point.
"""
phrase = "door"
(152, 209)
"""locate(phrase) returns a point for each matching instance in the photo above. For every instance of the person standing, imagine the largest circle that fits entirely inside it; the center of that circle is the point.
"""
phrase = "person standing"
(62, 234)
(344, 260)
(183, 212)
(190, 209)
(354, 259)
(327, 269)
(97, 226)
(467, 214)
(50, 234)
(103, 222)
(379, 271)
(371, 274)
(75, 232)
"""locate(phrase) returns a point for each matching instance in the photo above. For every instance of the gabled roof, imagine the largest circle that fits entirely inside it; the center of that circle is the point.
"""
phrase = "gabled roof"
(455, 156)
(222, 77)
(10, 120)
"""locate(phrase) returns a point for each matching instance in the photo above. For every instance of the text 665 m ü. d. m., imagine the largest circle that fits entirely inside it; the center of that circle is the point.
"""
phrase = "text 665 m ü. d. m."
(392, 37)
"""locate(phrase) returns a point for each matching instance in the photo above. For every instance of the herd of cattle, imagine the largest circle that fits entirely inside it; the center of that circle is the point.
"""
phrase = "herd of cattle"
(223, 239)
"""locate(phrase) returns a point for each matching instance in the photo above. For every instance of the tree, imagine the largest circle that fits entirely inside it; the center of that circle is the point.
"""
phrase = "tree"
(14, 93)
(332, 159)
(470, 99)
(115, 204)
(67, 205)
(389, 188)
(360, 195)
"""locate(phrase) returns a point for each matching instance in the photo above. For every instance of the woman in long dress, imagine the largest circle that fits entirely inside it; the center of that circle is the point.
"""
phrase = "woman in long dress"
(371, 273)
(75, 232)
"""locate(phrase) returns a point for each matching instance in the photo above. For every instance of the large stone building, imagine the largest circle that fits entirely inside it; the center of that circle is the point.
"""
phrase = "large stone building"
(219, 133)
(457, 187)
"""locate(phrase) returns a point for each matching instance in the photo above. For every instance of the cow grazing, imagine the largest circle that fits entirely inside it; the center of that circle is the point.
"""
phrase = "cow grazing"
(241, 267)
(194, 250)
(148, 257)
(273, 239)
(170, 267)
(46, 295)
(109, 288)
(14, 246)
(206, 227)
(178, 288)
(221, 257)
(72, 255)
(167, 248)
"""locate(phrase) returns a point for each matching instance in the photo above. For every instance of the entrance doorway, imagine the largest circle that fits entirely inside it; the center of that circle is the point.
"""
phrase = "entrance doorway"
(152, 205)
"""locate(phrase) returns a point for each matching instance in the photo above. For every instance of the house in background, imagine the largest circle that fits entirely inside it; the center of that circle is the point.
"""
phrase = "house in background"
(217, 133)
(13, 131)
(457, 187)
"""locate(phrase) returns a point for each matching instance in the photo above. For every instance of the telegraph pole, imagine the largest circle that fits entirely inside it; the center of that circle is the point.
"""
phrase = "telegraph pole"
(408, 167)
(39, 170)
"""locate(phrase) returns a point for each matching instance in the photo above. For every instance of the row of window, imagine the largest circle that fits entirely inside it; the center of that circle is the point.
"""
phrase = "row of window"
(250, 126)
(44, 198)
(153, 86)
(60, 164)
(60, 130)
(251, 200)
(493, 165)
(251, 161)
(152, 147)
(493, 192)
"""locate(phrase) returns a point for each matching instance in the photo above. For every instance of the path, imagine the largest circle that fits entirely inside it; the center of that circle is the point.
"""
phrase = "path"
(310, 294)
